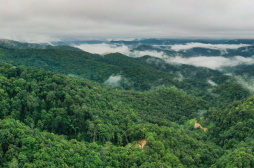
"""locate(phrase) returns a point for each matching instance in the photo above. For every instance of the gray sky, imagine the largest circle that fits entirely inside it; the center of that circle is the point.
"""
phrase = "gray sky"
(43, 20)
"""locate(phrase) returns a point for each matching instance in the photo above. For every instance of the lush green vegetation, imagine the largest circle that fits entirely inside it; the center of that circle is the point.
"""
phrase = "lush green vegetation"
(93, 125)
(52, 119)
(140, 74)
(71, 106)
(234, 123)
(21, 45)
(168, 147)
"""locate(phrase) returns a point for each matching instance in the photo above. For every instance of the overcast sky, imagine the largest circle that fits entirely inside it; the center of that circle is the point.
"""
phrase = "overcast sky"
(43, 20)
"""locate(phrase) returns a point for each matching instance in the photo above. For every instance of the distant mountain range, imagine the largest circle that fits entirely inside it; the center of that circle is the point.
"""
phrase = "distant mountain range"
(143, 73)
(23, 45)
(154, 41)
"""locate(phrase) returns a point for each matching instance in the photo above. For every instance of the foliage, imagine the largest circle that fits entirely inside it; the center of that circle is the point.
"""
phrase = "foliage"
(145, 73)
(54, 120)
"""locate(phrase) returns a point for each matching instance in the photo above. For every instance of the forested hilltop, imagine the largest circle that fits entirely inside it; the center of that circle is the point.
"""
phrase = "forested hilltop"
(63, 107)
(51, 120)
(118, 70)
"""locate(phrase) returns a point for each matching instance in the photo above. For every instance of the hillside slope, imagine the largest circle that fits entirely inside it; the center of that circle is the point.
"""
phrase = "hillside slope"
(141, 74)
(80, 109)
(98, 126)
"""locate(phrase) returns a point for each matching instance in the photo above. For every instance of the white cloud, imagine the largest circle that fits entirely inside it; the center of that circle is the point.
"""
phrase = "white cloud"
(246, 82)
(212, 62)
(153, 53)
(114, 48)
(114, 80)
(180, 76)
(187, 46)
(212, 83)
(104, 48)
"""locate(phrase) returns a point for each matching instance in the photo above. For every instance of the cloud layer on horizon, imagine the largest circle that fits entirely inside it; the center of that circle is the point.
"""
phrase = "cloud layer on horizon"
(104, 48)
(188, 46)
(49, 20)
(212, 62)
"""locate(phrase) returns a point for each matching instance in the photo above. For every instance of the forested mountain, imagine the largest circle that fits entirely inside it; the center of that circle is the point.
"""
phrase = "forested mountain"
(153, 41)
(144, 73)
(196, 51)
(21, 45)
(31, 95)
(64, 107)
(108, 122)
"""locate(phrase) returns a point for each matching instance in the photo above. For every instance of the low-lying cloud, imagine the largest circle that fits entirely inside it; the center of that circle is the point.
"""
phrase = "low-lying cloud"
(153, 53)
(114, 80)
(212, 62)
(188, 46)
(246, 82)
(105, 48)
(212, 83)
(180, 77)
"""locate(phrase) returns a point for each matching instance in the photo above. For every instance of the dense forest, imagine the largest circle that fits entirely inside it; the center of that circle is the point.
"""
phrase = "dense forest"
(56, 110)
(97, 126)
(140, 74)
